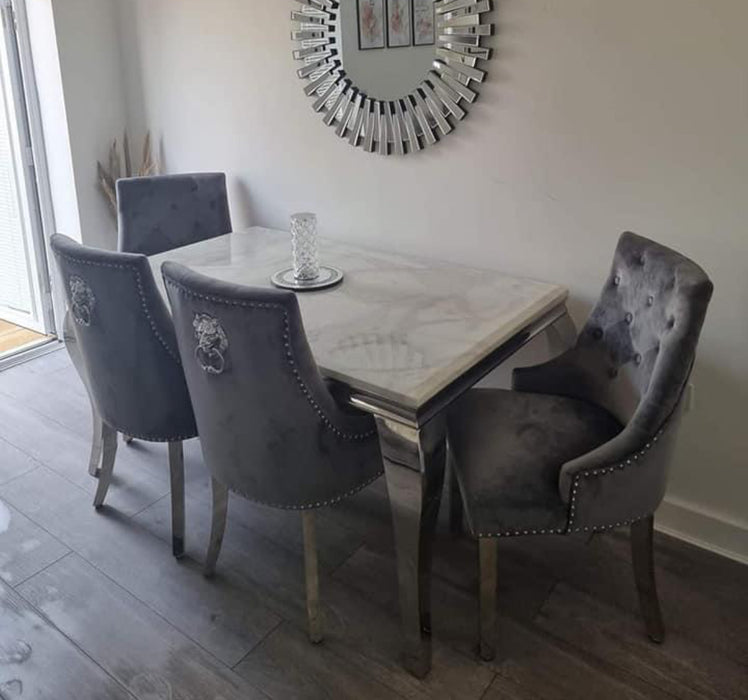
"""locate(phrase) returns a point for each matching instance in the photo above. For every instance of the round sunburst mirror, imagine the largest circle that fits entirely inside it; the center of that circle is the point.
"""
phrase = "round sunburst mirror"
(392, 76)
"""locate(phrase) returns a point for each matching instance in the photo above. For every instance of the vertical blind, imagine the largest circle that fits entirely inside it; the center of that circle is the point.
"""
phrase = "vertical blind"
(15, 287)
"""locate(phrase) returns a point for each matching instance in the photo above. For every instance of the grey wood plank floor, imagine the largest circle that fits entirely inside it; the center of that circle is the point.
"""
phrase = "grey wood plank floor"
(92, 605)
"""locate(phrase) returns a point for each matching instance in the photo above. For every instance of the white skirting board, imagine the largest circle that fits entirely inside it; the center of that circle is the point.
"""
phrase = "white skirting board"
(703, 528)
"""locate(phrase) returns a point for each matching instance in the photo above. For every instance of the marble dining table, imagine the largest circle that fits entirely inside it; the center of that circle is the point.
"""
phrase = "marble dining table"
(403, 337)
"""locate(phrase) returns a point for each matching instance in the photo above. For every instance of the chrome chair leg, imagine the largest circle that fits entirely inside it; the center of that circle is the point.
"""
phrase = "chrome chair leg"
(642, 554)
(71, 345)
(488, 562)
(218, 526)
(176, 474)
(311, 572)
(96, 444)
(109, 453)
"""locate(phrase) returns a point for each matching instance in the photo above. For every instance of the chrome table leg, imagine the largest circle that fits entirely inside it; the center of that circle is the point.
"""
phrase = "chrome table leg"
(414, 460)
(562, 335)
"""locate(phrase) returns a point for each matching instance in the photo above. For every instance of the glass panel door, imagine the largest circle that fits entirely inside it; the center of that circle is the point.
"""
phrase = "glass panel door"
(24, 281)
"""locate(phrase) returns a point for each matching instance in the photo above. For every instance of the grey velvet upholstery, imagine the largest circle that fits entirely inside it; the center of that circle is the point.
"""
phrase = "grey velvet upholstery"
(514, 485)
(130, 361)
(269, 427)
(585, 440)
(170, 211)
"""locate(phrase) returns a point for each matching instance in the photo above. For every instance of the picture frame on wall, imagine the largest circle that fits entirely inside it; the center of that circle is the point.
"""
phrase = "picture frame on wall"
(399, 23)
(371, 24)
(424, 22)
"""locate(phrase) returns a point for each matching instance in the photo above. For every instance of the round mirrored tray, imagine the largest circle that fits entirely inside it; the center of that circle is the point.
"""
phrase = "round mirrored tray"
(328, 277)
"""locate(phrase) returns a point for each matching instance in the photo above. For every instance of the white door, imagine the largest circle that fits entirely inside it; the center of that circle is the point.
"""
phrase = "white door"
(22, 286)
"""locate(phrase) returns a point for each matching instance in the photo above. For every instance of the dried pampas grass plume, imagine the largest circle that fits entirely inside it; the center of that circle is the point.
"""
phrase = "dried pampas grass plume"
(108, 176)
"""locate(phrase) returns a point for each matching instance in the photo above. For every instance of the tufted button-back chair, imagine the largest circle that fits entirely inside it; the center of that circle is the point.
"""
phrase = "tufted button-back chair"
(122, 342)
(584, 442)
(163, 212)
(270, 429)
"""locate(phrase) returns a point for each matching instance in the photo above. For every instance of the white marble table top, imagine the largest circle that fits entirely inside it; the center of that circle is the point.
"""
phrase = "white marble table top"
(399, 327)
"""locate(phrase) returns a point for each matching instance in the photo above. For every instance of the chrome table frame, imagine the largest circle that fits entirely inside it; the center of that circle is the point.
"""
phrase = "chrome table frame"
(413, 443)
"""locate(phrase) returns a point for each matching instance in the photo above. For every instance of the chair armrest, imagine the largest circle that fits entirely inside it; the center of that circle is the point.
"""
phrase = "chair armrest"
(624, 448)
(621, 481)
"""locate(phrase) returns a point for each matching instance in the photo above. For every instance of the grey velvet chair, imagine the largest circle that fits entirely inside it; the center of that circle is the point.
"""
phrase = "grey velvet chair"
(583, 443)
(160, 213)
(123, 346)
(270, 428)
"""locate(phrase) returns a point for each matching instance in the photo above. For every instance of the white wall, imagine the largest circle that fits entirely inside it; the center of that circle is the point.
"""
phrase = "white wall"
(53, 115)
(598, 116)
(92, 81)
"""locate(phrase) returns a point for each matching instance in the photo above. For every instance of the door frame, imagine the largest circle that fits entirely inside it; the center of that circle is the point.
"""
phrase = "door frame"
(32, 136)
(33, 160)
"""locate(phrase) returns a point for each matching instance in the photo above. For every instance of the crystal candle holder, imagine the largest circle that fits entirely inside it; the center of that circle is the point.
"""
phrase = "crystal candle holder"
(305, 246)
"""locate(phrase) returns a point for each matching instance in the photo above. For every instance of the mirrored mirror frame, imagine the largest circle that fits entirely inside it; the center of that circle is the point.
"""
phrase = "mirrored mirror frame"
(419, 118)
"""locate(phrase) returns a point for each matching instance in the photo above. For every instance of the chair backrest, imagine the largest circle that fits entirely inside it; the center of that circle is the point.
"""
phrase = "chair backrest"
(164, 212)
(637, 349)
(126, 339)
(269, 427)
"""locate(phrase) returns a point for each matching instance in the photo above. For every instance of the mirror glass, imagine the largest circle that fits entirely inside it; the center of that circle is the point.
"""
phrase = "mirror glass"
(387, 46)
(391, 76)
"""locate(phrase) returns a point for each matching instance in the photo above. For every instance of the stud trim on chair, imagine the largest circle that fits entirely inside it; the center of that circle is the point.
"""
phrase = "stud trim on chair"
(573, 506)
(172, 353)
(80, 290)
(312, 506)
(602, 472)
(289, 355)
